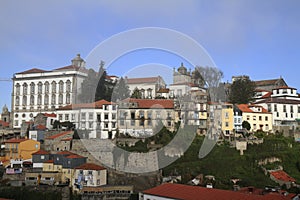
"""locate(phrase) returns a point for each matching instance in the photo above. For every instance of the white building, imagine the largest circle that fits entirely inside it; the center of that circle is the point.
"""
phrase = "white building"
(148, 86)
(284, 103)
(38, 90)
(98, 118)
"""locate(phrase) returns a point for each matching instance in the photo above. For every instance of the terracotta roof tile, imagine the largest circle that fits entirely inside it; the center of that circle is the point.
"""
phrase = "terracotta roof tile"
(282, 175)
(142, 80)
(178, 191)
(14, 140)
(152, 103)
(90, 166)
(49, 114)
(41, 152)
(66, 139)
(59, 135)
(65, 153)
(75, 156)
(33, 70)
(247, 108)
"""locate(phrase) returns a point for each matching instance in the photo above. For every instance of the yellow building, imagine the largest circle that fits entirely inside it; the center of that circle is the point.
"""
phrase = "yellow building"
(20, 148)
(227, 119)
(258, 117)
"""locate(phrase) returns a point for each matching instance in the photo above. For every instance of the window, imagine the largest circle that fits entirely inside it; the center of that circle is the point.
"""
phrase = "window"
(17, 100)
(39, 100)
(298, 109)
(267, 127)
(254, 117)
(16, 123)
(83, 125)
(114, 107)
(18, 89)
(42, 157)
(61, 86)
(106, 116)
(31, 100)
(292, 115)
(25, 88)
(284, 108)
(83, 116)
(157, 114)
(266, 118)
(40, 87)
(90, 124)
(68, 84)
(91, 117)
(68, 98)
(286, 115)
(46, 87)
(66, 117)
(149, 114)
(106, 125)
(284, 91)
(24, 101)
(53, 99)
(292, 109)
(53, 85)
(113, 116)
(90, 172)
(260, 118)
(226, 115)
(275, 107)
(32, 86)
(46, 99)
(105, 107)
(277, 114)
(73, 117)
(122, 122)
(248, 117)
(227, 124)
(60, 117)
(254, 126)
(60, 99)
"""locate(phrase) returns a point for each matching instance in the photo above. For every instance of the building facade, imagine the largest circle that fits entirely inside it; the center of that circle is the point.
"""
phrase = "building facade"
(37, 90)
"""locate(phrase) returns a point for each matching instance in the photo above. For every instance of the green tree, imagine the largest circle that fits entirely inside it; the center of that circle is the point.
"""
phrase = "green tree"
(121, 90)
(246, 125)
(136, 94)
(242, 91)
(88, 88)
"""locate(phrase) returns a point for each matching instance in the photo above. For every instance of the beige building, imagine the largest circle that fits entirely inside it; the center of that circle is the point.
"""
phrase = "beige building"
(138, 117)
(258, 117)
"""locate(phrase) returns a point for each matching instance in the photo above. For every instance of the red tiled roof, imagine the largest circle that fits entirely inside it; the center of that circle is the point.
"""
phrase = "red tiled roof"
(90, 166)
(267, 95)
(41, 152)
(59, 135)
(142, 80)
(14, 140)
(4, 124)
(68, 67)
(246, 108)
(49, 114)
(49, 161)
(152, 103)
(284, 87)
(282, 176)
(65, 153)
(66, 139)
(163, 90)
(97, 104)
(75, 156)
(178, 191)
(33, 70)
(40, 127)
(266, 82)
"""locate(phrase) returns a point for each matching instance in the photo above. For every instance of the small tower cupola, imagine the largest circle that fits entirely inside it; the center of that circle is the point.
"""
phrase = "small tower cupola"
(78, 61)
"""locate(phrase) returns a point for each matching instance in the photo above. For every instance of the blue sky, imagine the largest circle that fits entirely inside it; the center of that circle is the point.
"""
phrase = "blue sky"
(256, 38)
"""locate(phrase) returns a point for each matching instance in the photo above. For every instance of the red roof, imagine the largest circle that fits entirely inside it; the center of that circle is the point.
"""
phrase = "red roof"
(40, 127)
(282, 176)
(75, 156)
(152, 103)
(68, 67)
(90, 166)
(4, 124)
(33, 70)
(65, 153)
(49, 114)
(14, 140)
(267, 95)
(142, 80)
(97, 104)
(178, 191)
(59, 135)
(66, 139)
(41, 152)
(247, 108)
(284, 87)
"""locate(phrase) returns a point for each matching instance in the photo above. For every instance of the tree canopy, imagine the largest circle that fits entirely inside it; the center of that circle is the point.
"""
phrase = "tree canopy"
(242, 91)
(136, 94)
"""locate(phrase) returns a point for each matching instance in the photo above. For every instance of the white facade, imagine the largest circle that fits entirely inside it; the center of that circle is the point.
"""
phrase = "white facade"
(37, 90)
(99, 118)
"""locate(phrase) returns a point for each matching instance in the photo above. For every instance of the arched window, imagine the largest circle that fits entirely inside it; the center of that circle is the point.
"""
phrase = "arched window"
(24, 101)
(53, 84)
(68, 98)
(17, 100)
(46, 99)
(53, 99)
(68, 89)
(32, 87)
(31, 100)
(18, 89)
(61, 87)
(60, 99)
(39, 99)
(46, 87)
(40, 88)
(25, 88)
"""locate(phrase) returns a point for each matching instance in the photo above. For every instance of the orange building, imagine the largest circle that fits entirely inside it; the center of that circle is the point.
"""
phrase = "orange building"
(20, 148)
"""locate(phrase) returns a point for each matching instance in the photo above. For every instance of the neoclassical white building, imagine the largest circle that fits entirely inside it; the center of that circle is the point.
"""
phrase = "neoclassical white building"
(98, 119)
(38, 90)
